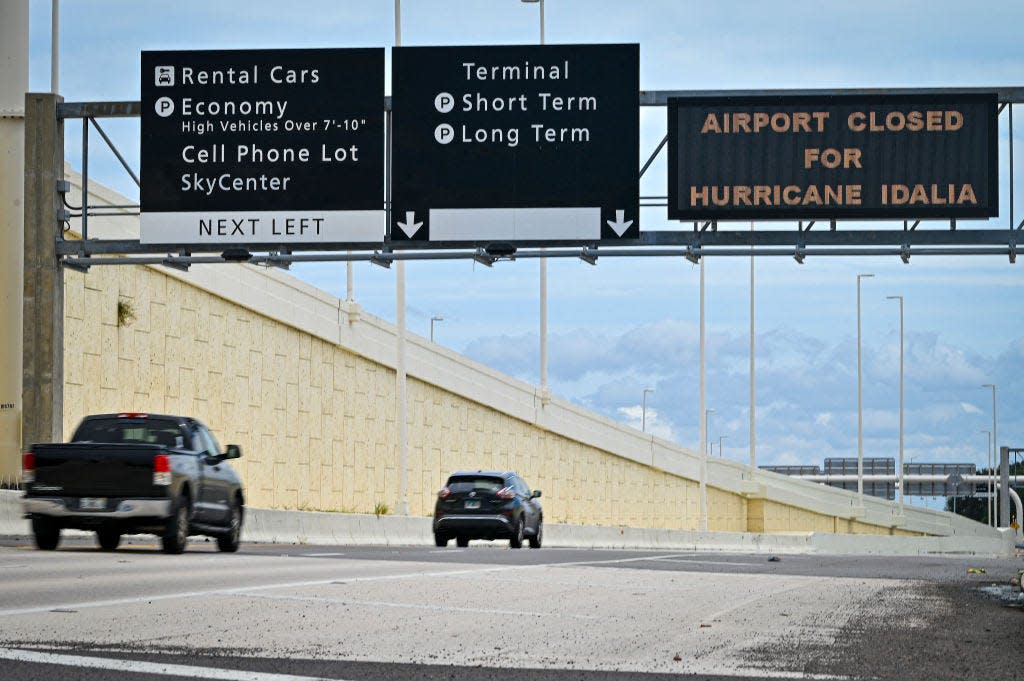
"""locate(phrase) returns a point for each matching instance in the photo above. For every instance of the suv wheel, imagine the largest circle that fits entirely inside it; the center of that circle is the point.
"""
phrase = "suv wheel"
(462, 542)
(538, 536)
(440, 539)
(516, 541)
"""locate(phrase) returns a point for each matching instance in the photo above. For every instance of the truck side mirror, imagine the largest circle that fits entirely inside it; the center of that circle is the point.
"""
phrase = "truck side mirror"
(233, 452)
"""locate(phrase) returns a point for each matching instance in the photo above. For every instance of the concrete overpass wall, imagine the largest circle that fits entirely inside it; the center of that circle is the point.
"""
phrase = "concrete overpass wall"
(305, 384)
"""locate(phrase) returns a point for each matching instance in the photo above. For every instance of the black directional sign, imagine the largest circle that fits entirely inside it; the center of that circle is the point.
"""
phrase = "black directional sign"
(519, 144)
(852, 156)
(249, 147)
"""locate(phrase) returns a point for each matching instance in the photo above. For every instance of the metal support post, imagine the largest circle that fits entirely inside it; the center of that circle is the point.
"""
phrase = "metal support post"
(1004, 487)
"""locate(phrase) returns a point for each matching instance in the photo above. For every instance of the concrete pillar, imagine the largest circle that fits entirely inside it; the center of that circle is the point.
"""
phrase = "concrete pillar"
(43, 358)
(13, 84)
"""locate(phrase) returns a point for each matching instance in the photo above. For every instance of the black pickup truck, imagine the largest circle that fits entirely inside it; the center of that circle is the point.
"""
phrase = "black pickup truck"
(132, 473)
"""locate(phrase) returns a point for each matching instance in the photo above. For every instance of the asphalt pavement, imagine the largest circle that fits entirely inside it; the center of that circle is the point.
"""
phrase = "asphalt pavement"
(293, 612)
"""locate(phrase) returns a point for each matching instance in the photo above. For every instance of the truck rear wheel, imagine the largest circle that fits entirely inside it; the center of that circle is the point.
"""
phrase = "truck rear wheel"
(108, 539)
(46, 534)
(175, 534)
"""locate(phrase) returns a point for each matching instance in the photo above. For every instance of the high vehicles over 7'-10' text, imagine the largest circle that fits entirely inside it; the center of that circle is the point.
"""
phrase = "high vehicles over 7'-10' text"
(132, 473)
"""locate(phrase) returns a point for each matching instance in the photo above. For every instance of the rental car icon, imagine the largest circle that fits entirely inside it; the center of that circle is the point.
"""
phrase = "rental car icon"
(165, 76)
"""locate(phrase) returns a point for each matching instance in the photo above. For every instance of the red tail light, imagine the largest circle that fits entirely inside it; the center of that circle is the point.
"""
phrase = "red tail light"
(444, 494)
(506, 493)
(132, 415)
(162, 470)
(28, 468)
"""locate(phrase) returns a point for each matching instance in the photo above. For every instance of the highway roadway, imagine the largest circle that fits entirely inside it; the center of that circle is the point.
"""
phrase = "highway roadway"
(294, 613)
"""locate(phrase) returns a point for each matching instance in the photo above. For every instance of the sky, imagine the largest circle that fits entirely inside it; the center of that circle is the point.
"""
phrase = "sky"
(628, 324)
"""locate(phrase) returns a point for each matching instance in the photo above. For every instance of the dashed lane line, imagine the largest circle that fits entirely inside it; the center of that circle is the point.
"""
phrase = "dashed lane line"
(139, 667)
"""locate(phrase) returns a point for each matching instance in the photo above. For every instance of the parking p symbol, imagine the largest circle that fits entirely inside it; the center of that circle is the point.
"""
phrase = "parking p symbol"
(444, 133)
(164, 107)
(444, 102)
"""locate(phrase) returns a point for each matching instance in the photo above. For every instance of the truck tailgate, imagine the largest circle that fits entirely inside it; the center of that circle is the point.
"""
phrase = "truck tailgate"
(96, 469)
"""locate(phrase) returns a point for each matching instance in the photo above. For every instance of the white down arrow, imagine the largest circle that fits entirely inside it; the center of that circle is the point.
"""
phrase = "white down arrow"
(617, 225)
(410, 226)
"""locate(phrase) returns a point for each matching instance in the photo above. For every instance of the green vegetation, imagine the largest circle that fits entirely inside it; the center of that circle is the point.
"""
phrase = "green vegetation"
(125, 312)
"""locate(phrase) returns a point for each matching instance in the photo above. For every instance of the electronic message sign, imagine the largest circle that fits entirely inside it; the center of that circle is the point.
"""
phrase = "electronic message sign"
(844, 156)
(245, 147)
(534, 144)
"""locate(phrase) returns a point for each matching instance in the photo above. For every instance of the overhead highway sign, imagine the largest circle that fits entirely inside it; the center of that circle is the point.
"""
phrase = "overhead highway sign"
(839, 156)
(518, 144)
(245, 147)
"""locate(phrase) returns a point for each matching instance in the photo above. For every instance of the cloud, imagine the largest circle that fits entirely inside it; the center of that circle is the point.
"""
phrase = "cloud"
(806, 388)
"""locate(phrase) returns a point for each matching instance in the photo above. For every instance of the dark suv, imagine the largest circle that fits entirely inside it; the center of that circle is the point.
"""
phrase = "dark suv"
(488, 505)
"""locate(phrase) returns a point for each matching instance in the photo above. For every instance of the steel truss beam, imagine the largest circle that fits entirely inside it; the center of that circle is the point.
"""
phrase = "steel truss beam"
(705, 239)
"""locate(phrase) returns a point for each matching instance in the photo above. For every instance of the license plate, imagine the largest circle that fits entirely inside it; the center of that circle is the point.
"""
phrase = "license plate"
(472, 503)
(93, 503)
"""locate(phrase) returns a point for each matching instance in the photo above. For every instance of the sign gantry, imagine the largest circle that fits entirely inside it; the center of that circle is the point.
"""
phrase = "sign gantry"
(494, 152)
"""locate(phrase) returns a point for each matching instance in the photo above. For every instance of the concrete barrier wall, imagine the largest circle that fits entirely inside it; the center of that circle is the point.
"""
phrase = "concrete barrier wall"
(305, 383)
(342, 529)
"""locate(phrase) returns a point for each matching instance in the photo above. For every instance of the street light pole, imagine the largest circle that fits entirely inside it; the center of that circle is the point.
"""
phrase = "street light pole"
(704, 422)
(753, 400)
(704, 473)
(543, 277)
(860, 403)
(643, 410)
(988, 481)
(432, 320)
(400, 370)
(900, 299)
(720, 438)
(992, 453)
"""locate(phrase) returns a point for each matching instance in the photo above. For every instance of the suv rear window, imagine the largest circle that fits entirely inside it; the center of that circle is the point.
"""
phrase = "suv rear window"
(470, 483)
(134, 431)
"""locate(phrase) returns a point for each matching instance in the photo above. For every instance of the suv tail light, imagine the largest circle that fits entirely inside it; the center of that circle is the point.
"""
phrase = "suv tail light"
(444, 494)
(506, 493)
(162, 470)
(28, 468)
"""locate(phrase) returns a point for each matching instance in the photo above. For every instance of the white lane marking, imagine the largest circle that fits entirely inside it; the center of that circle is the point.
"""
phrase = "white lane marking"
(318, 555)
(707, 562)
(418, 606)
(135, 666)
(316, 582)
(195, 672)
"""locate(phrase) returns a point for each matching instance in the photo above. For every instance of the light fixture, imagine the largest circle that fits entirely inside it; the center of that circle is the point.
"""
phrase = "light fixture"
(381, 260)
(588, 255)
(481, 257)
